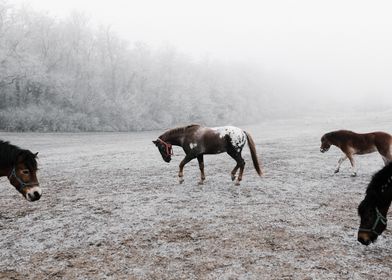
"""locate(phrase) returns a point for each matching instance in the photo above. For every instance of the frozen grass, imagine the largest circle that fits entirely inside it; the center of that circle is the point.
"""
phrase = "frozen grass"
(112, 209)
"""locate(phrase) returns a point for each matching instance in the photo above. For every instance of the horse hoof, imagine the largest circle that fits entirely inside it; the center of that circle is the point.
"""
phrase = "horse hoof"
(237, 183)
(336, 171)
(232, 178)
(354, 175)
(181, 181)
(200, 183)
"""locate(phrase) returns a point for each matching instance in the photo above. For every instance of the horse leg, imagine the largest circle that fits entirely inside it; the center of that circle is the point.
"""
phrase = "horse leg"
(385, 152)
(386, 157)
(340, 161)
(240, 165)
(234, 171)
(352, 161)
(201, 166)
(241, 162)
(182, 164)
(234, 155)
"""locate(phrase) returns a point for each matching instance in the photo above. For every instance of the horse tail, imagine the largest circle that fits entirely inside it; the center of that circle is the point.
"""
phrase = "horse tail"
(252, 148)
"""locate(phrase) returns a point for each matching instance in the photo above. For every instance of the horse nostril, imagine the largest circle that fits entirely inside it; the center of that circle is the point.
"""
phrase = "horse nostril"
(363, 241)
(36, 194)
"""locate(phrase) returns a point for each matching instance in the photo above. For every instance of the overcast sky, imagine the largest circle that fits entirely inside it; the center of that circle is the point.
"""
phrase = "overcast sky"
(338, 47)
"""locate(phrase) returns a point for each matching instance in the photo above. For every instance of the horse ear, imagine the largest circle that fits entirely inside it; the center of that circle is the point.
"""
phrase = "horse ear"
(155, 142)
(36, 154)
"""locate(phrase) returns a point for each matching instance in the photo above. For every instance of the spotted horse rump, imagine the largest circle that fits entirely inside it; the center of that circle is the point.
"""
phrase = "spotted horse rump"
(236, 136)
(197, 140)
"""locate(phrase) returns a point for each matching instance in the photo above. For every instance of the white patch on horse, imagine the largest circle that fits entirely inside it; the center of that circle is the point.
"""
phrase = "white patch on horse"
(237, 136)
(192, 145)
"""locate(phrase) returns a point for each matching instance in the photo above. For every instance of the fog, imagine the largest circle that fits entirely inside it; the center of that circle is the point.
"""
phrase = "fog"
(292, 57)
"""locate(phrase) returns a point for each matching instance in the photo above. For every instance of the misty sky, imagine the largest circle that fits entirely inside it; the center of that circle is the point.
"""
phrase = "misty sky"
(337, 48)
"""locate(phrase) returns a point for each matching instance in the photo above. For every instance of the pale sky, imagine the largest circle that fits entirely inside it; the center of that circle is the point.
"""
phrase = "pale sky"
(338, 46)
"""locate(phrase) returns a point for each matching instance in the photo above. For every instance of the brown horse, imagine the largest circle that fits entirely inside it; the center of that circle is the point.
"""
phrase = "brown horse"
(20, 166)
(352, 143)
(197, 141)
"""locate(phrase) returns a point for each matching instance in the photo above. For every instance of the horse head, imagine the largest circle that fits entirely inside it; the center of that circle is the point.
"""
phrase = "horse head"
(325, 144)
(22, 175)
(164, 148)
(373, 221)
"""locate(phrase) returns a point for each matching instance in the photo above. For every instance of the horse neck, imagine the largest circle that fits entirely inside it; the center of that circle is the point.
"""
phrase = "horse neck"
(333, 139)
(5, 171)
(174, 138)
(383, 202)
(385, 207)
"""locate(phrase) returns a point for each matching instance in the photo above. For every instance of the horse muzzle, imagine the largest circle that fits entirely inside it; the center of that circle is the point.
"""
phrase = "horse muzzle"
(365, 238)
(33, 193)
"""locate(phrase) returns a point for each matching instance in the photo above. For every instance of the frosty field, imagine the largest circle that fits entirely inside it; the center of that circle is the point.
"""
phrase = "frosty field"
(112, 208)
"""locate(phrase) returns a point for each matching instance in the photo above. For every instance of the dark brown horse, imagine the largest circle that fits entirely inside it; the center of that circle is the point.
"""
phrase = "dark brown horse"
(20, 166)
(374, 208)
(352, 143)
(197, 141)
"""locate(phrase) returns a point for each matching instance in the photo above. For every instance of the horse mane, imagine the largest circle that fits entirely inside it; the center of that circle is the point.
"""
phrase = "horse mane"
(9, 155)
(181, 129)
(336, 133)
(379, 182)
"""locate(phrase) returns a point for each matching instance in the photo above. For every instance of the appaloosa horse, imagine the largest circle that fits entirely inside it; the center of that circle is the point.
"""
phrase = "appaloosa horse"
(352, 143)
(197, 141)
(374, 208)
(20, 166)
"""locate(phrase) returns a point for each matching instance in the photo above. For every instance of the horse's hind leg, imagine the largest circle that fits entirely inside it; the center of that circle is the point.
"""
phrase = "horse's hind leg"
(386, 156)
(234, 171)
(201, 166)
(384, 150)
(236, 156)
(242, 167)
(386, 160)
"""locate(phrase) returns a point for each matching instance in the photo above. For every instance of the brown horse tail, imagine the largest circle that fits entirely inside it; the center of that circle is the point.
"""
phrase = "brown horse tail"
(252, 148)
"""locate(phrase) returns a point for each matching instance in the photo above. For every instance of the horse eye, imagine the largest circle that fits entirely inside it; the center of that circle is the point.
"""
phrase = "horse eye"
(26, 171)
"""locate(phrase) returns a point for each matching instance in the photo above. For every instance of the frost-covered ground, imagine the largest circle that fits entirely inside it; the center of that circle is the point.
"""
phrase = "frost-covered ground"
(112, 209)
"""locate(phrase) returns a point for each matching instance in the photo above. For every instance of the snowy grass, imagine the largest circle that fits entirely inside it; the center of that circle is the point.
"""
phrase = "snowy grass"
(112, 209)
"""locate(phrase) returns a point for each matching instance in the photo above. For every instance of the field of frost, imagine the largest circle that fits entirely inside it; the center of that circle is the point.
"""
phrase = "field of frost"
(112, 209)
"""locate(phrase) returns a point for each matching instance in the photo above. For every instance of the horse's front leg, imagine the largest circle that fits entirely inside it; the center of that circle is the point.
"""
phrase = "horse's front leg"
(340, 161)
(187, 159)
(201, 166)
(354, 169)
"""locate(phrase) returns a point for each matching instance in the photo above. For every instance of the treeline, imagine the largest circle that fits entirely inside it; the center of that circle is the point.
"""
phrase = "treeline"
(67, 75)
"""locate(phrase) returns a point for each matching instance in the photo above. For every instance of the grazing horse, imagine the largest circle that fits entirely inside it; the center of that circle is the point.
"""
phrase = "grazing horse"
(197, 141)
(352, 143)
(20, 166)
(374, 208)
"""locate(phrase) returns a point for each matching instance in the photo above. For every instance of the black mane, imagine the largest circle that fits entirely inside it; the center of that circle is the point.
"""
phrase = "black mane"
(178, 129)
(10, 154)
(381, 182)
